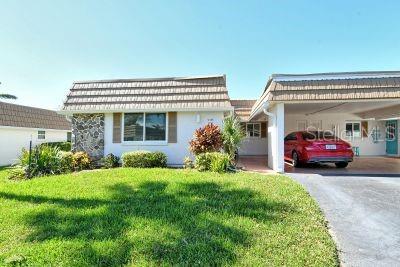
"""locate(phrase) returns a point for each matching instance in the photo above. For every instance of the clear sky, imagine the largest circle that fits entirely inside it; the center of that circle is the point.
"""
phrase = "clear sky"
(46, 45)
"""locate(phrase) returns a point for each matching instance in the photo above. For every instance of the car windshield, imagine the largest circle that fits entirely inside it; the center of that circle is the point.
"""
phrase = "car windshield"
(318, 135)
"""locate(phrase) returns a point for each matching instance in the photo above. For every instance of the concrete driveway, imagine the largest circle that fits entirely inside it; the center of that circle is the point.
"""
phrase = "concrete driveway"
(363, 214)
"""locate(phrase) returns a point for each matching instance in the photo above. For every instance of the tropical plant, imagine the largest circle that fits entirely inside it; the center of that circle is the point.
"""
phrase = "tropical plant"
(7, 96)
(206, 139)
(232, 135)
(43, 160)
(212, 161)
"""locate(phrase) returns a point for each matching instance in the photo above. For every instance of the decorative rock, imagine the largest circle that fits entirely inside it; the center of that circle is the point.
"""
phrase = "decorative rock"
(88, 134)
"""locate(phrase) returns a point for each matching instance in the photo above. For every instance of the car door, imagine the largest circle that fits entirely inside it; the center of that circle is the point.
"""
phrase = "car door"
(290, 145)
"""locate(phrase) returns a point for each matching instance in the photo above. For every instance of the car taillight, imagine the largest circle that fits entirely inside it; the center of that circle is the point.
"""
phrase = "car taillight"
(349, 148)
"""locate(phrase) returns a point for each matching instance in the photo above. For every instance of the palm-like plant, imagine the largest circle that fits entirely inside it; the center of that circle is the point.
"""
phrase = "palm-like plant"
(7, 96)
(232, 135)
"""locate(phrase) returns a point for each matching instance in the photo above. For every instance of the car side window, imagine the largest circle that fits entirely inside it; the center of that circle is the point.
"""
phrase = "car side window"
(291, 137)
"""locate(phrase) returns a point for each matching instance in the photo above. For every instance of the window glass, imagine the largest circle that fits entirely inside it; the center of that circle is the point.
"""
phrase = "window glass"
(69, 136)
(253, 129)
(291, 136)
(353, 129)
(133, 127)
(356, 130)
(155, 126)
(41, 134)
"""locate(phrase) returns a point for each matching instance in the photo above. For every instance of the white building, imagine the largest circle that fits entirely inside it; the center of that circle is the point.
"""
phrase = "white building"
(21, 124)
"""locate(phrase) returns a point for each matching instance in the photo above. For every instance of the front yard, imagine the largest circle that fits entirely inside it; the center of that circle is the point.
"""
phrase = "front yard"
(161, 217)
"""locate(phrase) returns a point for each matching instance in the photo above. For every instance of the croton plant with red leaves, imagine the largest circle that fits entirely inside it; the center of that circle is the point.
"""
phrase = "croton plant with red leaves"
(206, 139)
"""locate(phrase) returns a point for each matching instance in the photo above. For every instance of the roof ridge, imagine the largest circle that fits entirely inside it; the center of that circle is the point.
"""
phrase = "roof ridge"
(151, 79)
(335, 75)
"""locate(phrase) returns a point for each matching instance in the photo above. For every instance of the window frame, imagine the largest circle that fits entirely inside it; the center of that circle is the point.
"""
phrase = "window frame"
(352, 129)
(69, 136)
(39, 134)
(144, 141)
(252, 124)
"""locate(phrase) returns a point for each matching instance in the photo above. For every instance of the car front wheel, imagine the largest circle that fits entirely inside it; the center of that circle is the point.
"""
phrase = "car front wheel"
(295, 159)
(341, 164)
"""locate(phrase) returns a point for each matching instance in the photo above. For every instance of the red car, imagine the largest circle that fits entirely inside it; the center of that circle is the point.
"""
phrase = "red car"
(317, 147)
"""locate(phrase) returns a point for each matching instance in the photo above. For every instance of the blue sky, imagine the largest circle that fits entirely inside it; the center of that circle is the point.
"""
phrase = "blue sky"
(46, 45)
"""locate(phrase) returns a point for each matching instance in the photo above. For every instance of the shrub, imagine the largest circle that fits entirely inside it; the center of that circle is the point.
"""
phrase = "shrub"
(232, 135)
(17, 173)
(110, 161)
(219, 162)
(188, 163)
(212, 161)
(43, 160)
(66, 162)
(81, 161)
(62, 146)
(206, 139)
(144, 159)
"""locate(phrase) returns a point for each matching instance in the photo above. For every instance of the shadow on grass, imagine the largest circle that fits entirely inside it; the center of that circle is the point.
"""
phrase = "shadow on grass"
(197, 212)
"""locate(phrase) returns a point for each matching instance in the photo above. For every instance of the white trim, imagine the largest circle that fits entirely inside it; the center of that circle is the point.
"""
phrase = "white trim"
(33, 129)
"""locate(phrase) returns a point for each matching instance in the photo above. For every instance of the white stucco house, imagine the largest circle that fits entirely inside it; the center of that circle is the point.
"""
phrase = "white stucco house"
(115, 116)
(21, 124)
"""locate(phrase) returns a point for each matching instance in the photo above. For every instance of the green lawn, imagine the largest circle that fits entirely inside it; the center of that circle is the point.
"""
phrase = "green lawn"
(161, 217)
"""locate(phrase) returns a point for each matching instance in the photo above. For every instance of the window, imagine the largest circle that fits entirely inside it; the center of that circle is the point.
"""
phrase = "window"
(353, 129)
(291, 137)
(145, 126)
(253, 129)
(41, 135)
(155, 126)
(69, 136)
(318, 135)
(133, 126)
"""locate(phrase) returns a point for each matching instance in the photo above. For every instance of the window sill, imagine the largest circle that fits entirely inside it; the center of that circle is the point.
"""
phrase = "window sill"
(145, 143)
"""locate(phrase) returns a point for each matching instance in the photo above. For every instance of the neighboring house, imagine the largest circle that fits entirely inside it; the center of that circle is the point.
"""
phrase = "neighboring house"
(361, 107)
(255, 142)
(20, 124)
(117, 116)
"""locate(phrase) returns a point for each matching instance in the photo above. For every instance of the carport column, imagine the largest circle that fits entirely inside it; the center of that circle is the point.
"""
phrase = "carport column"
(276, 134)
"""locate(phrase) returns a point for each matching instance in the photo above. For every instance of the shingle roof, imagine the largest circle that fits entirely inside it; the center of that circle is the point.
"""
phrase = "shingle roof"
(243, 108)
(331, 86)
(29, 117)
(191, 93)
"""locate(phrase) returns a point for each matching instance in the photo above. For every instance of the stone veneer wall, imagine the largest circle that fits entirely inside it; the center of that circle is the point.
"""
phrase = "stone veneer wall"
(88, 134)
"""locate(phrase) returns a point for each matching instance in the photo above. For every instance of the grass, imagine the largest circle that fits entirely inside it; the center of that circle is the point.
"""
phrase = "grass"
(161, 217)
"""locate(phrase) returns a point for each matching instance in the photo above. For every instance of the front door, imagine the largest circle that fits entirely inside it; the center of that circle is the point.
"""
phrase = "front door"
(391, 138)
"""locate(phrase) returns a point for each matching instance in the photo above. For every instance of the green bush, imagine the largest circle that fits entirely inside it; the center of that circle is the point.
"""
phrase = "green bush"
(81, 161)
(212, 161)
(144, 159)
(110, 161)
(188, 163)
(66, 161)
(62, 146)
(44, 160)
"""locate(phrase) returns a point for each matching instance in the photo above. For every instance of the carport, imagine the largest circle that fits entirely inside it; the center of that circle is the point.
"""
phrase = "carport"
(361, 107)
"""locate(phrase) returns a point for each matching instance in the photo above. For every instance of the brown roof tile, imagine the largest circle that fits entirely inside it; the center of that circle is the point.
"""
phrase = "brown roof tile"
(23, 116)
(146, 94)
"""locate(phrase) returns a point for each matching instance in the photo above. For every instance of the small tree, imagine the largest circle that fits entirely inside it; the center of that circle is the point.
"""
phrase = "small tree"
(232, 135)
(206, 139)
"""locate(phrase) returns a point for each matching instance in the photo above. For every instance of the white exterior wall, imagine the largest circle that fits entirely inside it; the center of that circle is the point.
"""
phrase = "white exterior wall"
(176, 152)
(276, 130)
(253, 146)
(13, 139)
(366, 145)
